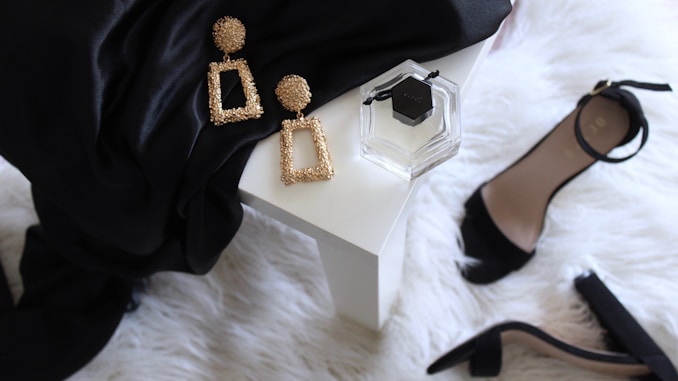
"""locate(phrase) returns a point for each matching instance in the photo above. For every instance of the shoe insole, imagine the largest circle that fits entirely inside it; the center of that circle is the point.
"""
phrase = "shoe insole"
(615, 369)
(517, 198)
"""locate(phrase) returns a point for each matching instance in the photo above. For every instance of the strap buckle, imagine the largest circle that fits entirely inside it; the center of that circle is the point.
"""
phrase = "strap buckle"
(601, 87)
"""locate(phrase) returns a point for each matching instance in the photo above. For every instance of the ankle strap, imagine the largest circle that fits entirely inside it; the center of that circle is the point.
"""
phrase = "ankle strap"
(637, 121)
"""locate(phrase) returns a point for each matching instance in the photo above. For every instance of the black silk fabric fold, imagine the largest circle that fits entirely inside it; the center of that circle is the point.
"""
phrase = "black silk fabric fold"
(104, 109)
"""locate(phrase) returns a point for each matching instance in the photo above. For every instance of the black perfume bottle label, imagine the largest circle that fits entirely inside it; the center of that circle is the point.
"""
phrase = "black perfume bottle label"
(412, 101)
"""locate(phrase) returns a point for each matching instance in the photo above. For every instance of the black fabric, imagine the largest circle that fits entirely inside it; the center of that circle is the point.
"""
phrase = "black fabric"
(6, 301)
(105, 110)
(64, 317)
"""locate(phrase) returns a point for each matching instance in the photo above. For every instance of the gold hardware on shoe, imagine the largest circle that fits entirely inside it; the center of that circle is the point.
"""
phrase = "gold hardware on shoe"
(601, 88)
(229, 36)
(294, 94)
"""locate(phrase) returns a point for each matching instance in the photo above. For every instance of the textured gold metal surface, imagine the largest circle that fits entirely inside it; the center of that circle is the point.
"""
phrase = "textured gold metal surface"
(252, 108)
(323, 170)
(293, 93)
(229, 36)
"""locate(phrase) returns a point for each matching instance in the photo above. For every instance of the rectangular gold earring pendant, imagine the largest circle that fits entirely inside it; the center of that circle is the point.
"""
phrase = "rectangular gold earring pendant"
(252, 108)
(323, 170)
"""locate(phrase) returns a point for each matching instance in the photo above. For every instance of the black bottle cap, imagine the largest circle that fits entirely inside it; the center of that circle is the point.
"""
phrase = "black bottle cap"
(412, 101)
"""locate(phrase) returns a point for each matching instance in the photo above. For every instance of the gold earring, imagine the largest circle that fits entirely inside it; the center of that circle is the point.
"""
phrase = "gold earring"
(294, 94)
(229, 36)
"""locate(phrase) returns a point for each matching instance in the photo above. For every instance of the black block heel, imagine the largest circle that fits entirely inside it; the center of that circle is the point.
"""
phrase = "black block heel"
(622, 328)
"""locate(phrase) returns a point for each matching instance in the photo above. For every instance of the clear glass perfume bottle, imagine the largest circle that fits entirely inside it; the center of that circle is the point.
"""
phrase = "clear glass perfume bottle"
(409, 120)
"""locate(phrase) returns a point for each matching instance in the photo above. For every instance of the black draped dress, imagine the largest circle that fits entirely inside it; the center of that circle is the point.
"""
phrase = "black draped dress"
(104, 108)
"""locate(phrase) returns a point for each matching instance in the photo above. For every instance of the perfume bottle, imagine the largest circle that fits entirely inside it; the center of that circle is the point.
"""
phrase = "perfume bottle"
(409, 120)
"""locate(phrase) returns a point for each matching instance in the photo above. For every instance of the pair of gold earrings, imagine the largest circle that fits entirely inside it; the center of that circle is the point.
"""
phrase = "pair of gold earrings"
(292, 92)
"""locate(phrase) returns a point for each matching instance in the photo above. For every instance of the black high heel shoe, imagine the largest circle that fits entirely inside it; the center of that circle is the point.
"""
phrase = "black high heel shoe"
(504, 216)
(643, 358)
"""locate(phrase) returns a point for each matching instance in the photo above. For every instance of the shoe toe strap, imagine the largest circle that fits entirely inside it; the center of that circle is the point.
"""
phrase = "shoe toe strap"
(496, 254)
(486, 361)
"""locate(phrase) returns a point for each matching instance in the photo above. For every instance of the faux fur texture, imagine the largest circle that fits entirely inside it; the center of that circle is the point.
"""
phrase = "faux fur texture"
(265, 313)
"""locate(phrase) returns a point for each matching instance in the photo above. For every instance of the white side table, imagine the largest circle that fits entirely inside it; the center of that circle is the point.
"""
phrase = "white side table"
(358, 217)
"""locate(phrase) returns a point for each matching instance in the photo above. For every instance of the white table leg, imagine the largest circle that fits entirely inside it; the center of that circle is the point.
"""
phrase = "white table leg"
(364, 285)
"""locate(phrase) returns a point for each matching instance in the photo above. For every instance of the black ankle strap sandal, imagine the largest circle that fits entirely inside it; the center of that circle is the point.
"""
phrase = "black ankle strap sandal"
(504, 216)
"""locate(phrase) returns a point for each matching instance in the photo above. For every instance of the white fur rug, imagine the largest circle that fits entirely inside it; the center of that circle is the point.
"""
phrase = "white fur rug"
(264, 312)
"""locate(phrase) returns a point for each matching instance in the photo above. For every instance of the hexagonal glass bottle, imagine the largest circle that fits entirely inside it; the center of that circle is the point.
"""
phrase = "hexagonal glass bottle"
(405, 129)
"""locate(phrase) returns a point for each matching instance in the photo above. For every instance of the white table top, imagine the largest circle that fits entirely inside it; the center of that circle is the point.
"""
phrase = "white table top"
(362, 202)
